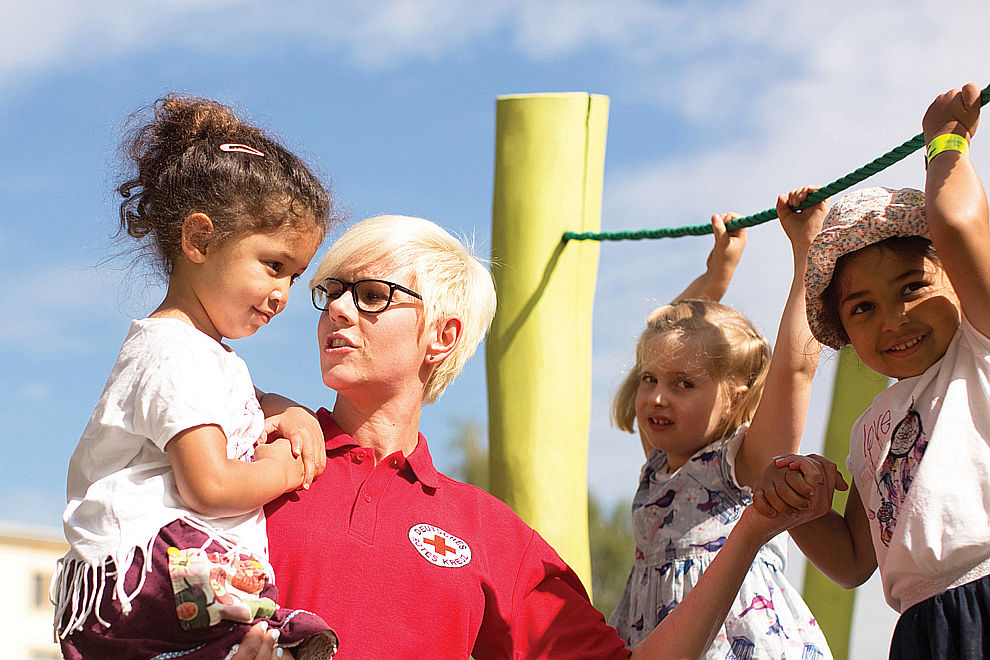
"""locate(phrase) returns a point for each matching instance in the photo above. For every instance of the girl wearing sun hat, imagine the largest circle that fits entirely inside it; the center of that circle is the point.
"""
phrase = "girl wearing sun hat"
(904, 277)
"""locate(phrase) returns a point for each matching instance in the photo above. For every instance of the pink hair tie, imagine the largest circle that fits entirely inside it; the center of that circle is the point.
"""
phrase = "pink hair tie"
(242, 148)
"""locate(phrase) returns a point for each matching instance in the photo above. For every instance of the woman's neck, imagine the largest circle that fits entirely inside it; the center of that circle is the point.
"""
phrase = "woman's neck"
(385, 427)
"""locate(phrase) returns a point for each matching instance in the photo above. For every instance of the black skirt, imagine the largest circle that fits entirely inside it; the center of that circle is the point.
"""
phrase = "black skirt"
(954, 625)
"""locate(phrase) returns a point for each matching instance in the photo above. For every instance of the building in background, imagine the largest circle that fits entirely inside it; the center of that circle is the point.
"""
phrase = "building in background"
(28, 554)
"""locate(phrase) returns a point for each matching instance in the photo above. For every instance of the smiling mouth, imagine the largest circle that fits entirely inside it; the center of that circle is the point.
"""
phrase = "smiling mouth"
(903, 346)
(659, 421)
(338, 343)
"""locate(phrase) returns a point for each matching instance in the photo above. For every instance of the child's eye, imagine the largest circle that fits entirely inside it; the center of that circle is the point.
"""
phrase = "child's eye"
(912, 287)
(860, 308)
(647, 378)
(274, 265)
(685, 384)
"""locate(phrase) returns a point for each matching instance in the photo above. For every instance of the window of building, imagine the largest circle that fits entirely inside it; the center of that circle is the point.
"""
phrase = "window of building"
(39, 589)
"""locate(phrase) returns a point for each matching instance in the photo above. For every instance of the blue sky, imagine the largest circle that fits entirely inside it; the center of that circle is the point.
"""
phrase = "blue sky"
(715, 106)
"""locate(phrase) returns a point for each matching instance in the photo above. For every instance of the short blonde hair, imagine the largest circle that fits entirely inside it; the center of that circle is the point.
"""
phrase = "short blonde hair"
(451, 279)
(732, 349)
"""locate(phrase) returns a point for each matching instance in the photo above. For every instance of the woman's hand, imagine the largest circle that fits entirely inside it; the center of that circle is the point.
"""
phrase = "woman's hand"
(259, 644)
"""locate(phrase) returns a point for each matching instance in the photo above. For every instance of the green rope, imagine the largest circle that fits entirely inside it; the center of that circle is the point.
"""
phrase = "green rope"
(883, 162)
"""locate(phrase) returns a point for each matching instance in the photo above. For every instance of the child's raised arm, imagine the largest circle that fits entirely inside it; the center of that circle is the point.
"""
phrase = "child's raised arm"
(779, 420)
(956, 204)
(719, 269)
(721, 263)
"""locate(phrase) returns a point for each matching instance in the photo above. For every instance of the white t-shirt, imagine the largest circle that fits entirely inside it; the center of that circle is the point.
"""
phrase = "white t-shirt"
(121, 490)
(921, 462)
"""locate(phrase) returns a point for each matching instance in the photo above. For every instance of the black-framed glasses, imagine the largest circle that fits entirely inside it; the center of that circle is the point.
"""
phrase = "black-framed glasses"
(370, 296)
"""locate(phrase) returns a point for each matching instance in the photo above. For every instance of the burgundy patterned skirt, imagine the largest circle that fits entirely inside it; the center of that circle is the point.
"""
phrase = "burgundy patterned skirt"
(196, 603)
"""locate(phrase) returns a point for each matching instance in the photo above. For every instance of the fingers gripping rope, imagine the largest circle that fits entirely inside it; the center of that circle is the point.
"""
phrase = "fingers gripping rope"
(877, 165)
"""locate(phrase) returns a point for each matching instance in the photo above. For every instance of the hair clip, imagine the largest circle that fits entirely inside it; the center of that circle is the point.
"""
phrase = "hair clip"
(242, 148)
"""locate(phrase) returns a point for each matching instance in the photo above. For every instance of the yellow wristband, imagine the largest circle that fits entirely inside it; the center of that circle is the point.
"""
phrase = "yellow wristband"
(946, 142)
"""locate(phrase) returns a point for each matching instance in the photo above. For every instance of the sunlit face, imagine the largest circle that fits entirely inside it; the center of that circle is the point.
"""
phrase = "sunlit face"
(243, 283)
(679, 406)
(364, 354)
(899, 310)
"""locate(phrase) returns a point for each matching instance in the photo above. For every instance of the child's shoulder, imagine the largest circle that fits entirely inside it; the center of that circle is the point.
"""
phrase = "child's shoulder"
(154, 344)
(978, 342)
(169, 336)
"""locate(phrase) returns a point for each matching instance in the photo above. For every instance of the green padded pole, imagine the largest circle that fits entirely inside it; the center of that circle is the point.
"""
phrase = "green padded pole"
(549, 164)
(853, 392)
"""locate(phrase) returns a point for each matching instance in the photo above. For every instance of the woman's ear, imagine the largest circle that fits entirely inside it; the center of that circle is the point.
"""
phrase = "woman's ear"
(448, 334)
(197, 230)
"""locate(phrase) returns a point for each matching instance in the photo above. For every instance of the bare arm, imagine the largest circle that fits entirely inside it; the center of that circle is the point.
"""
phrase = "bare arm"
(284, 418)
(214, 485)
(956, 204)
(779, 420)
(839, 545)
(721, 263)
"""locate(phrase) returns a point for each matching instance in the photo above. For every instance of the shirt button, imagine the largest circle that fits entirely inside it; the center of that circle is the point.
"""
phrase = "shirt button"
(395, 463)
(367, 498)
(357, 457)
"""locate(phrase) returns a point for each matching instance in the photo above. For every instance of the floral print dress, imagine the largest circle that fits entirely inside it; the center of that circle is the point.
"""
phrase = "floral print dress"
(680, 521)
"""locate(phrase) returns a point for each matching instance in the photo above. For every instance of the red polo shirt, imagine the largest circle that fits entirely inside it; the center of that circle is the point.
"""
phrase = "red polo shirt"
(405, 562)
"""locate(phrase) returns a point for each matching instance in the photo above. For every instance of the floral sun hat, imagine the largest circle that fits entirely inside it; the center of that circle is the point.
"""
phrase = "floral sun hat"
(858, 220)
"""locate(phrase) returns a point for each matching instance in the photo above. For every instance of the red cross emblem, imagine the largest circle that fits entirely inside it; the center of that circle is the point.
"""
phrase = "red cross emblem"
(439, 545)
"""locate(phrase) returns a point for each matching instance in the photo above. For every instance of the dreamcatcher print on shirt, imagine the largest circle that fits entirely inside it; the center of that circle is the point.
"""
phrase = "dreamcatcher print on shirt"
(893, 481)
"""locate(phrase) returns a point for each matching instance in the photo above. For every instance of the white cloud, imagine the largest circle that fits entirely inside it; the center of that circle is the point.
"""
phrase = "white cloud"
(861, 77)
(35, 392)
(700, 59)
(51, 35)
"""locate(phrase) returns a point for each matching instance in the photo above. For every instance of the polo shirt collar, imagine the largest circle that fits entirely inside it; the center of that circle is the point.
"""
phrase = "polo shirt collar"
(420, 460)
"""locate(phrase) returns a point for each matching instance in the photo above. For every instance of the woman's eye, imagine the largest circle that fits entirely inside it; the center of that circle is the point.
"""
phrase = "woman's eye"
(274, 265)
(292, 280)
(373, 296)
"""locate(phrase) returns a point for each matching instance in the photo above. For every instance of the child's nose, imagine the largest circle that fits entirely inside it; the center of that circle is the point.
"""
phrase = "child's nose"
(280, 297)
(894, 316)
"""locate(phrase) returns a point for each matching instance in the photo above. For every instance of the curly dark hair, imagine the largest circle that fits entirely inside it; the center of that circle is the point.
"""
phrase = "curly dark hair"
(254, 186)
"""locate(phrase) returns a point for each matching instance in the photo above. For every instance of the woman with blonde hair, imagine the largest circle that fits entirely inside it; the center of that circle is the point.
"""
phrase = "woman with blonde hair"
(404, 560)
